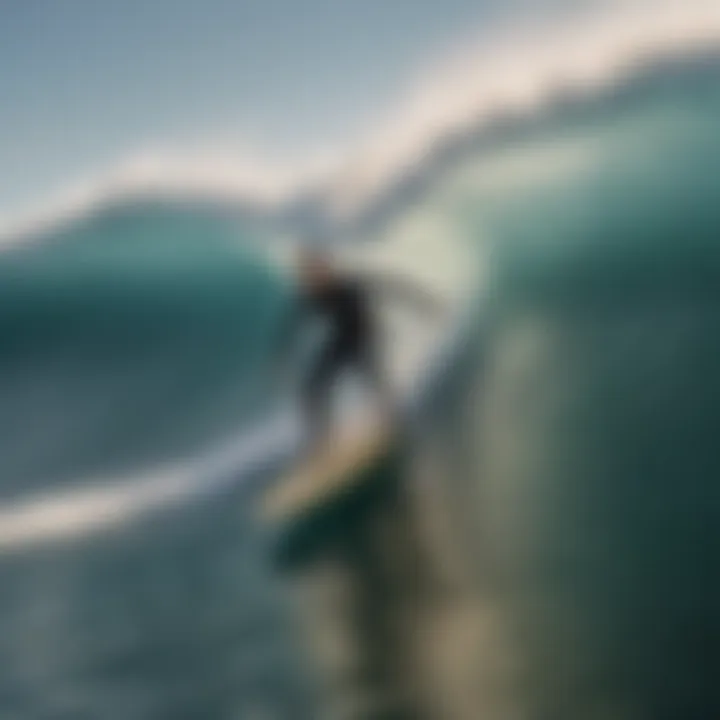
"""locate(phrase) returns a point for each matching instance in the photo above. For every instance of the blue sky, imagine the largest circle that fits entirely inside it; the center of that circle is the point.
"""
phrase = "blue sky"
(86, 83)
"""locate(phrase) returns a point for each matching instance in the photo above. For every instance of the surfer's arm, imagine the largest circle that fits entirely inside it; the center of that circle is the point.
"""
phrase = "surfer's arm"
(402, 289)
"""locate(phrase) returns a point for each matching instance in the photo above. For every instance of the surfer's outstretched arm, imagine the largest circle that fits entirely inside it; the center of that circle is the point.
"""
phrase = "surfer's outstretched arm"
(397, 287)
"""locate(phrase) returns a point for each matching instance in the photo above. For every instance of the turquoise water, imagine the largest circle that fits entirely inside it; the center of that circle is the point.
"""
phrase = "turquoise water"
(131, 338)
(598, 407)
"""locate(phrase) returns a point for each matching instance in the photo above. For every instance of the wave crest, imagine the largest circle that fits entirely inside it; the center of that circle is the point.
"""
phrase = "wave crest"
(513, 76)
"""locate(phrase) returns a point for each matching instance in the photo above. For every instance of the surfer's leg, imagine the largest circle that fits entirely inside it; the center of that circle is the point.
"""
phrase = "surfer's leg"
(317, 396)
(373, 373)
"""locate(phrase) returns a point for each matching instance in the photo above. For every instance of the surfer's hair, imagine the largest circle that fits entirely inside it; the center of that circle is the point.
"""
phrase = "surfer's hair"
(314, 255)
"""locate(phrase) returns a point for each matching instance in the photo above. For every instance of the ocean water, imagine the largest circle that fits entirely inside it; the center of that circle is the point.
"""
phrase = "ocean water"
(136, 338)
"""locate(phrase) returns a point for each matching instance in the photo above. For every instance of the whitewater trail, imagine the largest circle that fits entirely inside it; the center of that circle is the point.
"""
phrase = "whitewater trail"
(112, 503)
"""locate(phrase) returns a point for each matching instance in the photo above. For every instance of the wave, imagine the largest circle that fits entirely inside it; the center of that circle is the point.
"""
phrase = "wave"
(128, 340)
(147, 257)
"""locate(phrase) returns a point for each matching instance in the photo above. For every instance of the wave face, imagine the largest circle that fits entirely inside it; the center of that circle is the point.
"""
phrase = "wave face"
(138, 335)
(597, 408)
(130, 338)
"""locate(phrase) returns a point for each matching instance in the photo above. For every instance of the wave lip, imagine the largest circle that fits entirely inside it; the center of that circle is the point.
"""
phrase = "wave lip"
(517, 74)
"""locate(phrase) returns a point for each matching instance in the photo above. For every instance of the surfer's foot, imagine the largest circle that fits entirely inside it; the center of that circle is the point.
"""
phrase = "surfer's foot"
(314, 446)
(389, 414)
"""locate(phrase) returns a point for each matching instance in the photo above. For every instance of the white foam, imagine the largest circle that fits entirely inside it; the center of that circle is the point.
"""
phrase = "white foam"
(103, 504)
(521, 71)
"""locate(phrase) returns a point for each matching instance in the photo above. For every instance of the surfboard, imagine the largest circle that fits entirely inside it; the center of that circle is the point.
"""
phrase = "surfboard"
(314, 505)
(330, 473)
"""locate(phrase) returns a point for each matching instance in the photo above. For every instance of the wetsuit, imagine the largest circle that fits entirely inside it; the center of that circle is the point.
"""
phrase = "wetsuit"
(352, 341)
(351, 345)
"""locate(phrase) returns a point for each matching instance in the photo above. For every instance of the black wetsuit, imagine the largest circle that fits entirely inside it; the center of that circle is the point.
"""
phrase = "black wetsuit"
(352, 341)
(351, 345)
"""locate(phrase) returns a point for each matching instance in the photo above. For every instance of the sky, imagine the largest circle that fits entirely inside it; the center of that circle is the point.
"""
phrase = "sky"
(86, 83)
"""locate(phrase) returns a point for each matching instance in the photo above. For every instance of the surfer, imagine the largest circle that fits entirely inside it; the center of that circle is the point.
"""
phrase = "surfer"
(344, 303)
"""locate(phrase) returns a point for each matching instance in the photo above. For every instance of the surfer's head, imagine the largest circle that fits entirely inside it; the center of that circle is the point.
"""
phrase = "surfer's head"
(315, 268)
